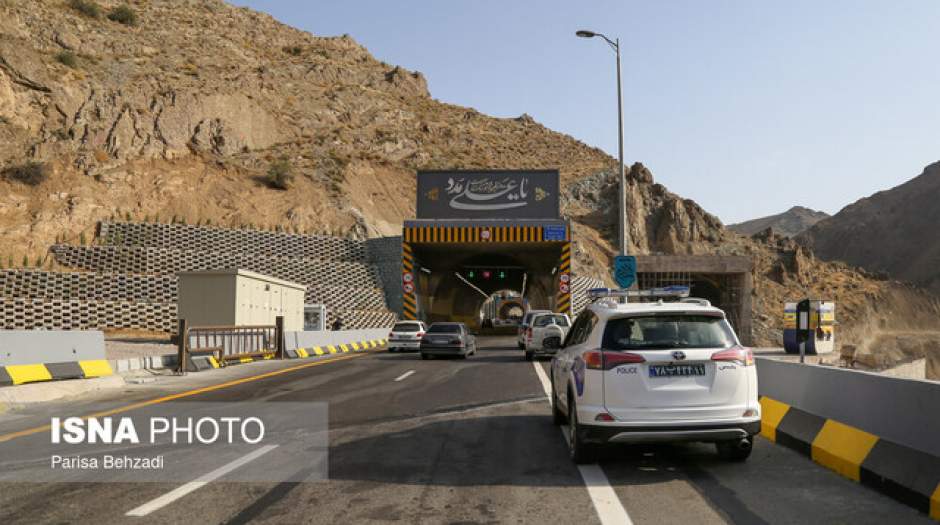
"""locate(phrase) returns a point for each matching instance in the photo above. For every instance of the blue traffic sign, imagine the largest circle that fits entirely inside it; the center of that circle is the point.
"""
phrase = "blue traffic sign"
(625, 270)
(553, 232)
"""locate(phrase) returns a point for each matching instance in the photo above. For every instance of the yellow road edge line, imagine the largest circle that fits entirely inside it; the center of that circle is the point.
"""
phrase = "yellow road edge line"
(180, 395)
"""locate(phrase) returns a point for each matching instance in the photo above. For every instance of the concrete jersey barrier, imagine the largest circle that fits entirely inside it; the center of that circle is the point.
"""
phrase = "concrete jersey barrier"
(880, 431)
(29, 356)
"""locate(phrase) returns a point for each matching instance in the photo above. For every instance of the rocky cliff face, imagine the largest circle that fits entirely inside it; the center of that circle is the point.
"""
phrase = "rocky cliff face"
(183, 114)
(789, 223)
(893, 231)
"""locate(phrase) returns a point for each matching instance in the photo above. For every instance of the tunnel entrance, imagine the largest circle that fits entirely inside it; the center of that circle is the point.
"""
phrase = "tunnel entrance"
(478, 233)
(724, 280)
(471, 272)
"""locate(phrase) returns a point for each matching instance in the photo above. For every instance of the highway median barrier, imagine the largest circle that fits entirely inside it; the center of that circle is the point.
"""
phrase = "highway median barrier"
(879, 431)
(37, 372)
(33, 356)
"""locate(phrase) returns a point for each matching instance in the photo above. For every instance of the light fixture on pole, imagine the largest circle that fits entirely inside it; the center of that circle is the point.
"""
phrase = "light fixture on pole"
(615, 45)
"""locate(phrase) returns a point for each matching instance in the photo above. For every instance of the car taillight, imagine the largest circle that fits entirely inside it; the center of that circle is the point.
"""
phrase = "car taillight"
(597, 360)
(528, 333)
(593, 360)
(744, 356)
(457, 342)
(420, 335)
(391, 335)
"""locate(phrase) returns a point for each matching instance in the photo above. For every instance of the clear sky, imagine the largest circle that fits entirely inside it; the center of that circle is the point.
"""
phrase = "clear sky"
(747, 107)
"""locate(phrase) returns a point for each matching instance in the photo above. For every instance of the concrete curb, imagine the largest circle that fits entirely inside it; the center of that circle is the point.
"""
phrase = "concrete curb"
(903, 473)
(42, 392)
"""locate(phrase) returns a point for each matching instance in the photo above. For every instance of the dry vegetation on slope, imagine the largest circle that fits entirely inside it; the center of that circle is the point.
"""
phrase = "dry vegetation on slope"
(184, 113)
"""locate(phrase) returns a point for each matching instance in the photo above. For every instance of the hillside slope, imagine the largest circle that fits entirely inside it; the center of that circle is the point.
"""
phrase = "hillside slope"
(789, 223)
(894, 231)
(183, 114)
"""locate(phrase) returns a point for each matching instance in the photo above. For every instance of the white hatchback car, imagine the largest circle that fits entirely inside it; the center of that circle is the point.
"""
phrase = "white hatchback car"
(655, 372)
(406, 335)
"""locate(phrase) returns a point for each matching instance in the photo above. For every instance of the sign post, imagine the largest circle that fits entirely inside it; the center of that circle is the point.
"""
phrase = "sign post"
(802, 326)
(625, 270)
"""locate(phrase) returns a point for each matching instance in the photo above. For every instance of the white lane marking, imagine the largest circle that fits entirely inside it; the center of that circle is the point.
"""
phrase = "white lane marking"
(403, 376)
(203, 480)
(543, 378)
(606, 503)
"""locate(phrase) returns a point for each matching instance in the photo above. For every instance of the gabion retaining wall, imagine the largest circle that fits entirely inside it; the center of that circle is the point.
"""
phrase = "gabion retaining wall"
(385, 254)
(85, 286)
(129, 278)
(354, 319)
(147, 260)
(207, 239)
(88, 286)
(31, 314)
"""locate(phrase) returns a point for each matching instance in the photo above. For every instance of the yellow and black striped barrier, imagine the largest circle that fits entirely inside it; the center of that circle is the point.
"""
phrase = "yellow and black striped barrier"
(357, 346)
(906, 474)
(477, 234)
(21, 374)
(409, 296)
(563, 300)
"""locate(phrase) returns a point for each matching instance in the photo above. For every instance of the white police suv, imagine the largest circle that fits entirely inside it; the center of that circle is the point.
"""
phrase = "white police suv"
(654, 372)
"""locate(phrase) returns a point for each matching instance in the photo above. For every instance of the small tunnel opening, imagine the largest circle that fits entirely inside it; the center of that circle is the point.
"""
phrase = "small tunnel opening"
(455, 281)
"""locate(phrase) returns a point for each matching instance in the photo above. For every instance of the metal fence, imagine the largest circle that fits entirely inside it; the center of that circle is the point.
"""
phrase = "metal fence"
(228, 344)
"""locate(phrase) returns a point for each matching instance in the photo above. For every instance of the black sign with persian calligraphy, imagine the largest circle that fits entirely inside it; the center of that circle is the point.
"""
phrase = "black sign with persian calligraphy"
(488, 195)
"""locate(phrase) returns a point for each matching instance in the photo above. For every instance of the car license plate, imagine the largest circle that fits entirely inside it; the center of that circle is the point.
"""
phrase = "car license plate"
(677, 370)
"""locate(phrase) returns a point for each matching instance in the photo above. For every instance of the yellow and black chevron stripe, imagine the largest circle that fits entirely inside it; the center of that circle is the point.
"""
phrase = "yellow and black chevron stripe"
(906, 474)
(563, 301)
(475, 234)
(409, 299)
(20, 374)
(356, 346)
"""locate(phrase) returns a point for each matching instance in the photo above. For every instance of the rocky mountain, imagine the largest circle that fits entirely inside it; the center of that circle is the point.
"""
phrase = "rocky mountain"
(789, 223)
(197, 111)
(894, 231)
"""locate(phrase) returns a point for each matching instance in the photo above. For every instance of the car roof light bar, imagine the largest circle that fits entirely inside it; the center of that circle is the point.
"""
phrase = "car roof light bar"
(666, 291)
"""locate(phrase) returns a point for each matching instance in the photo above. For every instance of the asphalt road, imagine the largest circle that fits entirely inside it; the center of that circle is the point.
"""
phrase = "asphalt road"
(454, 441)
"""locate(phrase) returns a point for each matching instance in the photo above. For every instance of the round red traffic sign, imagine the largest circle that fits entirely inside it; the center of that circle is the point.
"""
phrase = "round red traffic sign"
(563, 288)
(485, 234)
(408, 287)
(407, 277)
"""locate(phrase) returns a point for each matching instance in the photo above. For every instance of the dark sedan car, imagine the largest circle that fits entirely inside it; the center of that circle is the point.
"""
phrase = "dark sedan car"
(447, 339)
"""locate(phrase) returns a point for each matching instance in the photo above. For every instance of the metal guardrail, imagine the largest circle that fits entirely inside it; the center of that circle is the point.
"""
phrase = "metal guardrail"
(229, 343)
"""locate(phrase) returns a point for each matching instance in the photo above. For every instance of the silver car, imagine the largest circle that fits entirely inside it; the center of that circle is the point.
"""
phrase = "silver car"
(447, 339)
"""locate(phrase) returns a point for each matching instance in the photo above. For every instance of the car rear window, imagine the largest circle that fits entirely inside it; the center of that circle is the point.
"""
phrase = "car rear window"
(406, 327)
(668, 331)
(528, 317)
(545, 320)
(444, 329)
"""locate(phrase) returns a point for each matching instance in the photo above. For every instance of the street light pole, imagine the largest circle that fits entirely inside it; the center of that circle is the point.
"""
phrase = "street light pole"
(623, 175)
(622, 230)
